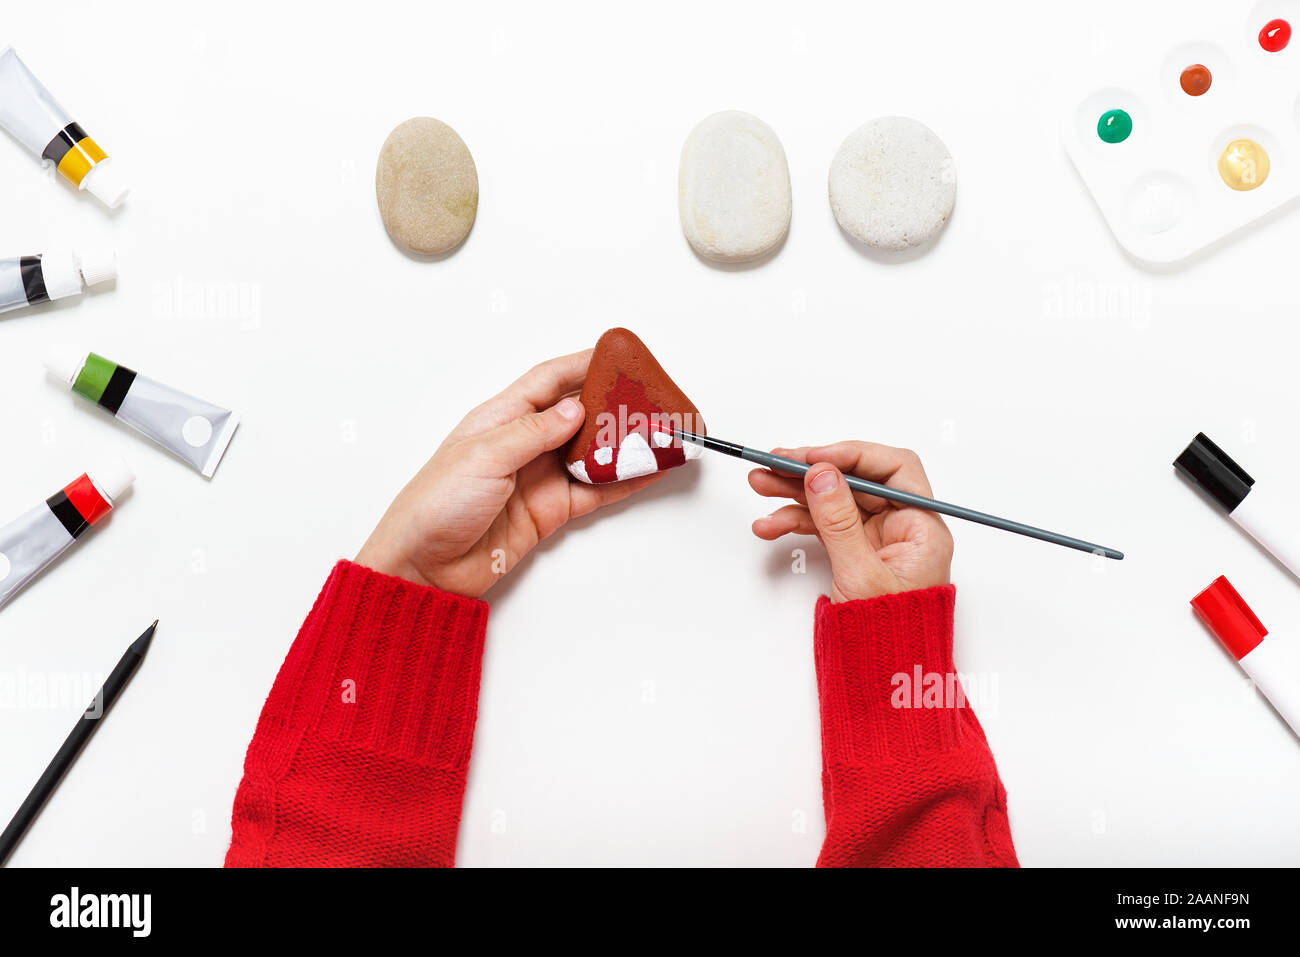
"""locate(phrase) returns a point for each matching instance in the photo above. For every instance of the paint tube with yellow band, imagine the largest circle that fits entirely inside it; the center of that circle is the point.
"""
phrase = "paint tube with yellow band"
(34, 118)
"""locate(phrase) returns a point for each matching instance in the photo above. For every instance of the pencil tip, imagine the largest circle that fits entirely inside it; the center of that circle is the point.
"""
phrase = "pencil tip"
(141, 644)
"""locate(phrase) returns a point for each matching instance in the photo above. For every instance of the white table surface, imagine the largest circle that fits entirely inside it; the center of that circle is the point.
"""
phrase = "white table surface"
(1040, 373)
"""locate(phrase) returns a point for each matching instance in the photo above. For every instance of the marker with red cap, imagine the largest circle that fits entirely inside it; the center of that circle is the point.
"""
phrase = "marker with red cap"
(1272, 665)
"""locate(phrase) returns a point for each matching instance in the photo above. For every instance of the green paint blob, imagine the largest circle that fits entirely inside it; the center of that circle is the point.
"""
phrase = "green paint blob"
(1114, 126)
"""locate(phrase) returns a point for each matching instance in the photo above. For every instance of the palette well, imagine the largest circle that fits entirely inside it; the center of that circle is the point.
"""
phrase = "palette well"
(1200, 141)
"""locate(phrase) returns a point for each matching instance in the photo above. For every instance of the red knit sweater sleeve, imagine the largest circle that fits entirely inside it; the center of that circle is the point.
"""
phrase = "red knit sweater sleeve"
(907, 776)
(361, 752)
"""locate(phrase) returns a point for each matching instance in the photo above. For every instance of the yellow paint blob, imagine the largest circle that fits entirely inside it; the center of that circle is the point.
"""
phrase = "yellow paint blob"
(1243, 164)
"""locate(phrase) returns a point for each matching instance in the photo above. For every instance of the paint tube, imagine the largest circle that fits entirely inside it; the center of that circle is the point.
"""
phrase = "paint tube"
(34, 118)
(32, 542)
(189, 428)
(27, 280)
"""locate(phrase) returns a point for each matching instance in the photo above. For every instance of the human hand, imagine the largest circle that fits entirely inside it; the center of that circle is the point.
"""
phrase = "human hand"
(495, 488)
(876, 547)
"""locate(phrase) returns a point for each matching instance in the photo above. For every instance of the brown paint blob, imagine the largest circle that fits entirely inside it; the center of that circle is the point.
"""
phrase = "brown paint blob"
(1195, 80)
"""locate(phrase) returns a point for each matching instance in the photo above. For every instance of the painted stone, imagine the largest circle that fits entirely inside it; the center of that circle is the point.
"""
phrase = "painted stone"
(632, 405)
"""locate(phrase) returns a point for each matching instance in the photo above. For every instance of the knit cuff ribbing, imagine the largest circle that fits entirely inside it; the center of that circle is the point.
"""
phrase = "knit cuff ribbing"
(381, 664)
(885, 678)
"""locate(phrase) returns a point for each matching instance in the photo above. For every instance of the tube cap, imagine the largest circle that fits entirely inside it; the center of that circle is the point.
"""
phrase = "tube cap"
(1213, 469)
(104, 183)
(66, 365)
(112, 477)
(97, 264)
(1229, 617)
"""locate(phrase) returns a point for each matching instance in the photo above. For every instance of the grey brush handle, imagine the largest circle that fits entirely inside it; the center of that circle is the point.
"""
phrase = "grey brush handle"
(781, 464)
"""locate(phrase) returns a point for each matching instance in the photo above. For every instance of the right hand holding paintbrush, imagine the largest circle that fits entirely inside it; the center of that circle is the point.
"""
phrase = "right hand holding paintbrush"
(876, 547)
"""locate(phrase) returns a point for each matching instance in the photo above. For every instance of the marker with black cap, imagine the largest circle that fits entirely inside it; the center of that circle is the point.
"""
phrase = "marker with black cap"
(1261, 514)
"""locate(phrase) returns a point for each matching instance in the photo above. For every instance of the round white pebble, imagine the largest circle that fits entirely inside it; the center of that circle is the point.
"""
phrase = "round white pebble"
(892, 183)
(197, 431)
(733, 188)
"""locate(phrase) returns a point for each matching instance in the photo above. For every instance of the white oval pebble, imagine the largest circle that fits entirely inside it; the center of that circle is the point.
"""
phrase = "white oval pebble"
(892, 183)
(733, 188)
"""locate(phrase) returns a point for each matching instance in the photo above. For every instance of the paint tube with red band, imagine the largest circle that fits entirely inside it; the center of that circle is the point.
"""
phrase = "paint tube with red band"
(191, 429)
(34, 118)
(28, 280)
(32, 542)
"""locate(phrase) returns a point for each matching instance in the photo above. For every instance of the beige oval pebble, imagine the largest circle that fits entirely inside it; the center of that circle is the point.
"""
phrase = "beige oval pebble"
(733, 188)
(427, 186)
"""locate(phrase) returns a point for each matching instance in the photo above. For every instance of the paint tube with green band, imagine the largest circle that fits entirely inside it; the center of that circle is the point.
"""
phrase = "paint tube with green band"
(189, 428)
(34, 118)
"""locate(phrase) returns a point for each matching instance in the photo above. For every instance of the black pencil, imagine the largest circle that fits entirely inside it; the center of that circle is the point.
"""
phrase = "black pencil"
(81, 733)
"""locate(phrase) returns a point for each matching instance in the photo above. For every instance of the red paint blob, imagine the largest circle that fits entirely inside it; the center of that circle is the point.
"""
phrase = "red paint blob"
(1195, 80)
(1275, 35)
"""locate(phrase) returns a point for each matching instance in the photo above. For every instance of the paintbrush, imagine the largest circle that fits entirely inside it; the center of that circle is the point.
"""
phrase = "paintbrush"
(780, 464)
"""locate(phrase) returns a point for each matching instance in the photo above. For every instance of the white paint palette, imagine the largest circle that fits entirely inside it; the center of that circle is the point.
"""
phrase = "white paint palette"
(1160, 187)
